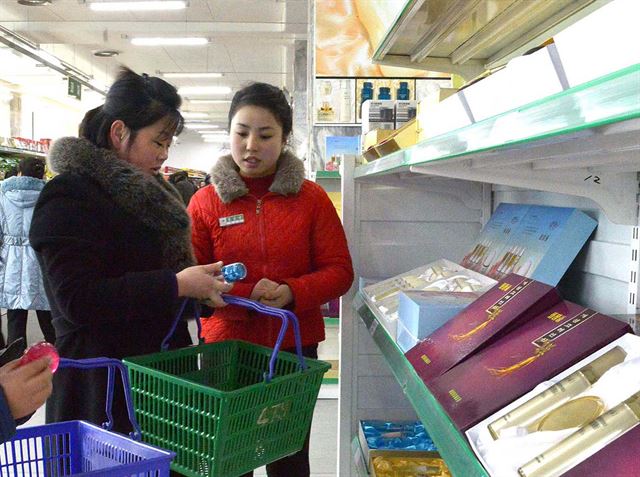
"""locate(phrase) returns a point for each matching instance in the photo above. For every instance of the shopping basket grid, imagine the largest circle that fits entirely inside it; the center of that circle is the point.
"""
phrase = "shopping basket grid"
(78, 448)
(215, 406)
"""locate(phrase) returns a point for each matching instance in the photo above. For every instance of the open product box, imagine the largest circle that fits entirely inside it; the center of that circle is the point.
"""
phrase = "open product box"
(529, 354)
(389, 436)
(441, 275)
(567, 419)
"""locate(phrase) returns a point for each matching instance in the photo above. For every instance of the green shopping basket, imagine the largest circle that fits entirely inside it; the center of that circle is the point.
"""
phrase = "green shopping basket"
(216, 407)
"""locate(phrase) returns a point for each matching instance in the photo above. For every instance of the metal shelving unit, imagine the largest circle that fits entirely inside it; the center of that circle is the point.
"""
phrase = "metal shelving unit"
(583, 142)
(20, 152)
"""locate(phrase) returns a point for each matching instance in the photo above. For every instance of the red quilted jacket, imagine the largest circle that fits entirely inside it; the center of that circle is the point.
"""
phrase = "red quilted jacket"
(291, 235)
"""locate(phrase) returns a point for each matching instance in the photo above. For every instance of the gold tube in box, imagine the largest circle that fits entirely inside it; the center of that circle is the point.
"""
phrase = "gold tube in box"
(586, 441)
(531, 412)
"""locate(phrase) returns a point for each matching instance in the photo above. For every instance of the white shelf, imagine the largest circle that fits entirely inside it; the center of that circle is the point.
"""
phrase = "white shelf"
(20, 152)
(584, 141)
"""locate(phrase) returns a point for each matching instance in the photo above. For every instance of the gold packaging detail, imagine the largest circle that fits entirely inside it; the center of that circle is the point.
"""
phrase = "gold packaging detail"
(409, 467)
(529, 413)
(585, 442)
(575, 413)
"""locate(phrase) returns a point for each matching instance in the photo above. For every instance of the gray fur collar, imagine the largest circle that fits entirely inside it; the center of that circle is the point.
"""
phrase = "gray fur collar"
(229, 184)
(151, 199)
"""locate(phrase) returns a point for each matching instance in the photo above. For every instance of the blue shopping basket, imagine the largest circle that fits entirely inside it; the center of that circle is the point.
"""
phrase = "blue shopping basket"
(78, 448)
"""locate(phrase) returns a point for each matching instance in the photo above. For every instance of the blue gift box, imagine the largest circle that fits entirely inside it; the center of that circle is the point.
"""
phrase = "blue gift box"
(420, 313)
(534, 241)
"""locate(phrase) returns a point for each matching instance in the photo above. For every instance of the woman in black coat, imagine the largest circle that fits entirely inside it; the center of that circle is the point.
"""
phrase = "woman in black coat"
(113, 241)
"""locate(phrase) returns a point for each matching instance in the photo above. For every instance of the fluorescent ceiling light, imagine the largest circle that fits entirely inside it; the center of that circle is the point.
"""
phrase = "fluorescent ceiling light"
(139, 6)
(48, 57)
(218, 140)
(193, 115)
(192, 75)
(202, 126)
(195, 122)
(209, 101)
(167, 41)
(187, 90)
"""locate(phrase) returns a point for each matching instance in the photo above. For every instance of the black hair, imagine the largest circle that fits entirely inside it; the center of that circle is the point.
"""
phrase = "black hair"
(268, 97)
(32, 167)
(137, 100)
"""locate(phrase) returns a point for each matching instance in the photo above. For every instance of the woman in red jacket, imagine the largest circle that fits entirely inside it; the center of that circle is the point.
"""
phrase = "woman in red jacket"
(260, 210)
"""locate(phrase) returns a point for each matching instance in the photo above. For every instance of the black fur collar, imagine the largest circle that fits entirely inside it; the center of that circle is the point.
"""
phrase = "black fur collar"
(151, 199)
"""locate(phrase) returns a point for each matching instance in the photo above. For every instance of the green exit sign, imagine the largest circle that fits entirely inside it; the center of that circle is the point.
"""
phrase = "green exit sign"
(74, 88)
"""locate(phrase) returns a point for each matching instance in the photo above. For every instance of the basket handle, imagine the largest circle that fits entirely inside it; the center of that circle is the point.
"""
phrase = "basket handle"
(111, 365)
(285, 315)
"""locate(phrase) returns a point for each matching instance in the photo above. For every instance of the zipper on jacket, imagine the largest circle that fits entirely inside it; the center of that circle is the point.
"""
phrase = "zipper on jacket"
(258, 206)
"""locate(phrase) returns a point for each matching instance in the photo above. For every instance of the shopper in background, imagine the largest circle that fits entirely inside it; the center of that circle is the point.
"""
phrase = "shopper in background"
(113, 239)
(21, 287)
(23, 389)
(282, 227)
(181, 182)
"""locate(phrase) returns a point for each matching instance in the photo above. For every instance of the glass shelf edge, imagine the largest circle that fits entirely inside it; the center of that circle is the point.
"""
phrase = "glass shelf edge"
(450, 442)
(415, 154)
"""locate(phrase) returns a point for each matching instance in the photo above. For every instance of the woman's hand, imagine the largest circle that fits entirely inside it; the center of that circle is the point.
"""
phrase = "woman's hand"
(279, 297)
(201, 282)
(263, 286)
(26, 387)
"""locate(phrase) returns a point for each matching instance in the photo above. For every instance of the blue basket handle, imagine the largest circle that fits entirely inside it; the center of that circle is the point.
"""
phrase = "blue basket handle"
(285, 315)
(111, 365)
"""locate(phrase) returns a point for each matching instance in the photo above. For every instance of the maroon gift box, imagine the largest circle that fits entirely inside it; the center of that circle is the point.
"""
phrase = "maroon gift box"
(620, 458)
(516, 363)
(514, 300)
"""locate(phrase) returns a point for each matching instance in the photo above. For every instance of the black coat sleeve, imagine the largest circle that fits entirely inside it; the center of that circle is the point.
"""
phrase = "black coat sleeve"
(70, 233)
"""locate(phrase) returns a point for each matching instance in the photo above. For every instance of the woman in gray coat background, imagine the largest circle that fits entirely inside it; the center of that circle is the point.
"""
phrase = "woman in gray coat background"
(21, 287)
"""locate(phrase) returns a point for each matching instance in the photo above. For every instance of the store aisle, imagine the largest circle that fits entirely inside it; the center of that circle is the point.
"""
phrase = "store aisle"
(324, 429)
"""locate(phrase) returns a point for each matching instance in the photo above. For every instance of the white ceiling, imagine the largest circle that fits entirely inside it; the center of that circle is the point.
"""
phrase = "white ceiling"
(249, 40)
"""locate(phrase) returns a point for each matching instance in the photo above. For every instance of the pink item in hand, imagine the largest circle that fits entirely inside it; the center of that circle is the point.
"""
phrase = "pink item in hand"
(40, 350)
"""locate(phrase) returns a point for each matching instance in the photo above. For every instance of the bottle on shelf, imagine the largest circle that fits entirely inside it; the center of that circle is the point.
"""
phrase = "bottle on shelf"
(326, 112)
(403, 92)
(366, 93)
(346, 108)
(384, 93)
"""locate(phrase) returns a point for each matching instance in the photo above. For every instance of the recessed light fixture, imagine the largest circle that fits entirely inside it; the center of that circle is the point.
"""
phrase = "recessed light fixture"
(187, 90)
(169, 41)
(208, 101)
(106, 53)
(34, 3)
(138, 6)
(192, 75)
